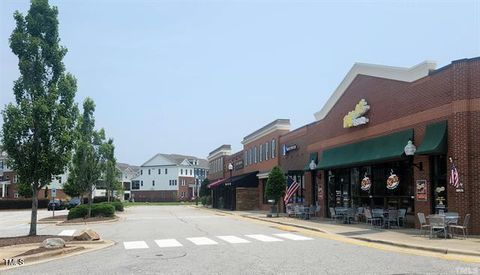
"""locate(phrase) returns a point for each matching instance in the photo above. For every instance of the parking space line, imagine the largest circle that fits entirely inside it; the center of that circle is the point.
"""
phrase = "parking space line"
(135, 245)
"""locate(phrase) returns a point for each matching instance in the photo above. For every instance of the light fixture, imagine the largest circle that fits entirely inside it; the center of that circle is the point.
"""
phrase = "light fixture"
(230, 166)
(312, 165)
(409, 151)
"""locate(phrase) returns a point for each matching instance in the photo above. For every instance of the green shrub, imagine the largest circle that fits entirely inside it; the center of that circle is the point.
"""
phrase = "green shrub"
(206, 200)
(103, 210)
(79, 211)
(117, 204)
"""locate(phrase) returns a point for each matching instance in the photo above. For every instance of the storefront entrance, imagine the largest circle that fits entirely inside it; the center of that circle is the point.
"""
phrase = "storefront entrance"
(344, 186)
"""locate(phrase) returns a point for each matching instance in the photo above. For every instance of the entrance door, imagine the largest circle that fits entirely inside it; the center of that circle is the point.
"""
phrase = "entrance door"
(339, 188)
(438, 176)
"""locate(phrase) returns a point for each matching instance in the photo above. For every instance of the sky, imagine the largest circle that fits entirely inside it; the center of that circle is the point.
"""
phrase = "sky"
(188, 76)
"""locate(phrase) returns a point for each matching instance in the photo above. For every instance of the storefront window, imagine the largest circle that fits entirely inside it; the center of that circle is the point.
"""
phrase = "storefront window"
(438, 175)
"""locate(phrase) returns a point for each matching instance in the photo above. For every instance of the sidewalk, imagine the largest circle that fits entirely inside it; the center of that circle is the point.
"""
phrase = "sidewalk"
(403, 237)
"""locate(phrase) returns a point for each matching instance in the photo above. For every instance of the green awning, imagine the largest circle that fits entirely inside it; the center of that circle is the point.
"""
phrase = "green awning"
(371, 150)
(314, 157)
(435, 140)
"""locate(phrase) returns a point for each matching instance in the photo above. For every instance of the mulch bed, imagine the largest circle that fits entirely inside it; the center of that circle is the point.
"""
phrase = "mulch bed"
(56, 218)
(92, 219)
(30, 239)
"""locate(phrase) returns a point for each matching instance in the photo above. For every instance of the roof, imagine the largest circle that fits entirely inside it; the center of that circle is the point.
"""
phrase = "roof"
(174, 159)
(389, 72)
(123, 167)
(278, 124)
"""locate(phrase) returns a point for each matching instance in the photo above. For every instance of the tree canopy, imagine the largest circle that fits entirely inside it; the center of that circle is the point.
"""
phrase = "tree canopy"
(38, 128)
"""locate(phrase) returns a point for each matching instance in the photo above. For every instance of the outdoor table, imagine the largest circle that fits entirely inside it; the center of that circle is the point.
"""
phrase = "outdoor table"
(448, 220)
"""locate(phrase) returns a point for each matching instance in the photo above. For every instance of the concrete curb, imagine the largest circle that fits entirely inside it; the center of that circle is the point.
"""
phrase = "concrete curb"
(85, 223)
(59, 254)
(391, 243)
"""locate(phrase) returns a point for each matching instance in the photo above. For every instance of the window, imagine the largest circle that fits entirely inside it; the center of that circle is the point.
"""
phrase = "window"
(166, 171)
(266, 151)
(159, 171)
(181, 171)
(149, 171)
(274, 148)
(255, 154)
(245, 157)
(141, 172)
(251, 156)
(191, 172)
(261, 153)
(135, 185)
(141, 183)
(153, 182)
(175, 182)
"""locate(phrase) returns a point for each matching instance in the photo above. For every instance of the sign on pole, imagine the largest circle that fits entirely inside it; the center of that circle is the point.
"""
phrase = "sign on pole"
(54, 192)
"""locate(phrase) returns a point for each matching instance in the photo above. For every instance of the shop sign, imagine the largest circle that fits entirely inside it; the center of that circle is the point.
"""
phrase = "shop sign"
(421, 190)
(366, 184)
(393, 181)
(288, 148)
(320, 193)
(355, 117)
(238, 165)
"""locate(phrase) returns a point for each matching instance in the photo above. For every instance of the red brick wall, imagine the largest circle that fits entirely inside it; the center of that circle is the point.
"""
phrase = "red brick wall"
(246, 198)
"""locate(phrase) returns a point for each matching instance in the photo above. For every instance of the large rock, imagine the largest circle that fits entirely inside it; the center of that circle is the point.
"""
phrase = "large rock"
(87, 235)
(53, 243)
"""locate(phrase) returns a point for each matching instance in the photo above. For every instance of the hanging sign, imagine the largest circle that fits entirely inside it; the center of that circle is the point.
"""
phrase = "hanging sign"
(366, 184)
(288, 148)
(355, 117)
(421, 190)
(392, 181)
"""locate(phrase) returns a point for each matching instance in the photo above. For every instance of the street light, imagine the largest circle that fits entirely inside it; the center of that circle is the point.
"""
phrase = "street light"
(230, 168)
(409, 151)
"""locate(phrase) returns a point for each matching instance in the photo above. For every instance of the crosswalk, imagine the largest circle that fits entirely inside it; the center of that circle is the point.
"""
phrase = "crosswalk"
(210, 241)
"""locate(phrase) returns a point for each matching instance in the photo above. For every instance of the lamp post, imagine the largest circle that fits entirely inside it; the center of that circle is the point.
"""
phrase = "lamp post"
(230, 168)
(409, 151)
(312, 167)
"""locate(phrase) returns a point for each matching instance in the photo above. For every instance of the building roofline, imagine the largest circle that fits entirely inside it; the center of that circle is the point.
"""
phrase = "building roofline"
(278, 124)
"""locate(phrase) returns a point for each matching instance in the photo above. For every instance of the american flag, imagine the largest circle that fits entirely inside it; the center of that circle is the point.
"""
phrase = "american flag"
(454, 179)
(292, 188)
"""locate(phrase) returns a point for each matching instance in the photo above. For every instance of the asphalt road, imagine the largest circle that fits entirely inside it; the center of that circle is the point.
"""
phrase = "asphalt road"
(196, 241)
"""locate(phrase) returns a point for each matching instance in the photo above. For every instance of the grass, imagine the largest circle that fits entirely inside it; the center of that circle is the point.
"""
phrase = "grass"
(128, 204)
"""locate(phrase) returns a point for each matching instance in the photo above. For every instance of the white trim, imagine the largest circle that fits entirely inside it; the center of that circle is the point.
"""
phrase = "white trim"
(279, 124)
(263, 175)
(396, 73)
(223, 152)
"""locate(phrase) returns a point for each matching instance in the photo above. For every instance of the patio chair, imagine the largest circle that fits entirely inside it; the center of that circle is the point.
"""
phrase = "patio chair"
(290, 210)
(333, 215)
(349, 215)
(312, 210)
(402, 216)
(463, 227)
(360, 214)
(392, 218)
(438, 223)
(297, 211)
(451, 218)
(370, 219)
(423, 223)
(378, 214)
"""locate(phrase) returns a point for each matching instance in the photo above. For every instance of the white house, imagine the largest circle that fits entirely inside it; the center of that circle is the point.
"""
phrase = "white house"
(126, 174)
(166, 177)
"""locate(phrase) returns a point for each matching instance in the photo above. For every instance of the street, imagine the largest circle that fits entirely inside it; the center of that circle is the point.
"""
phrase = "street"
(187, 240)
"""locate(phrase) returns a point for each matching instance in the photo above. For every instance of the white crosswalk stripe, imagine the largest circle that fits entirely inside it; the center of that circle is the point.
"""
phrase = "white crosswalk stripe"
(66, 233)
(135, 245)
(168, 243)
(264, 238)
(233, 239)
(202, 241)
(293, 237)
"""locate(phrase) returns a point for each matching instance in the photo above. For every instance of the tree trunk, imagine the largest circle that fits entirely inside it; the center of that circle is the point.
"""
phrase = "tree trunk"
(33, 220)
(90, 201)
(108, 195)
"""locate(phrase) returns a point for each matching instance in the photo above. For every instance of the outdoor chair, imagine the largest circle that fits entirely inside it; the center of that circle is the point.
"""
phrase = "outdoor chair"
(297, 211)
(438, 223)
(451, 218)
(378, 214)
(463, 227)
(423, 223)
(360, 215)
(290, 210)
(402, 216)
(370, 219)
(333, 215)
(349, 215)
(392, 218)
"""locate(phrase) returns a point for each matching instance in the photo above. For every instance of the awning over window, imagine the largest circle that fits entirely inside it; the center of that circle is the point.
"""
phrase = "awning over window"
(367, 151)
(435, 140)
(245, 180)
(216, 183)
(314, 157)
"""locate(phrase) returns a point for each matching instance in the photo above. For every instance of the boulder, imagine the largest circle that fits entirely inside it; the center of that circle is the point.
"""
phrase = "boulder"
(53, 243)
(87, 235)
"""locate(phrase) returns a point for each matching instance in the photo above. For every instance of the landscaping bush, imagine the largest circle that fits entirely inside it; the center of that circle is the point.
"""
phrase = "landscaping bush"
(103, 210)
(79, 211)
(117, 204)
(206, 200)
(21, 203)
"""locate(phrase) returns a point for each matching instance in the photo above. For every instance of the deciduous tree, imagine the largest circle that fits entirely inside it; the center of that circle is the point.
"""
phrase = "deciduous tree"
(38, 127)
(276, 185)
